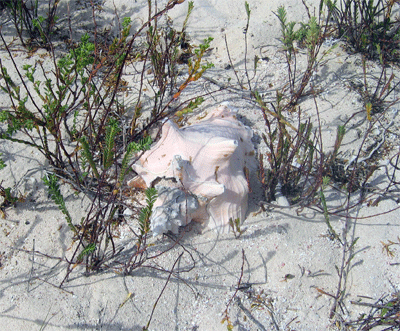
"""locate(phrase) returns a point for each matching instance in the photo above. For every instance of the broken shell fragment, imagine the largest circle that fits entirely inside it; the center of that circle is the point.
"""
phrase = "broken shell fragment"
(198, 171)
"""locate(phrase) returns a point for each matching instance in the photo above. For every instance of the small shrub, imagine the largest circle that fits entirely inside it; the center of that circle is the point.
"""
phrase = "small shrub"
(28, 22)
(74, 117)
(367, 26)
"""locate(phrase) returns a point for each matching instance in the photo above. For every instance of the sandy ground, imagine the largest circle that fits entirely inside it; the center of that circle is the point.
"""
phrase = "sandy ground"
(287, 262)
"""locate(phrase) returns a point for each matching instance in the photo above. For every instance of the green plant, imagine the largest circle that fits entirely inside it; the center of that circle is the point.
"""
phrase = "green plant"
(131, 150)
(196, 69)
(89, 249)
(112, 129)
(309, 35)
(374, 96)
(51, 181)
(87, 157)
(235, 226)
(167, 49)
(295, 155)
(190, 107)
(331, 232)
(367, 26)
(144, 218)
(75, 118)
(2, 164)
(27, 20)
(299, 168)
(165, 46)
(383, 313)
(9, 199)
(296, 161)
(298, 164)
(59, 97)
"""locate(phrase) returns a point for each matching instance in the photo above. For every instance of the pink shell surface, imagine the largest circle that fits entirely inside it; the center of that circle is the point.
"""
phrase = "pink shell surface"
(208, 159)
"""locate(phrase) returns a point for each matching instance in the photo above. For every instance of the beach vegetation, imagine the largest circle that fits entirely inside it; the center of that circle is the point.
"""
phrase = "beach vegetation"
(296, 165)
(34, 23)
(79, 109)
(76, 116)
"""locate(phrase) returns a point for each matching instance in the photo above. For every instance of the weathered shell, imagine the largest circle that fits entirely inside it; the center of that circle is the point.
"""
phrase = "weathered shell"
(205, 162)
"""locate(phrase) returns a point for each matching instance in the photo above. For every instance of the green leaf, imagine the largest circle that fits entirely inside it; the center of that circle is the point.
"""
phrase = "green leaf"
(144, 218)
(131, 149)
(191, 106)
(88, 156)
(112, 130)
(126, 22)
(90, 248)
(248, 11)
(2, 164)
(51, 181)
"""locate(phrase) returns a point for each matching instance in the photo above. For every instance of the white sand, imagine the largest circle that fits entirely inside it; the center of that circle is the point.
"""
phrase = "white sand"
(276, 243)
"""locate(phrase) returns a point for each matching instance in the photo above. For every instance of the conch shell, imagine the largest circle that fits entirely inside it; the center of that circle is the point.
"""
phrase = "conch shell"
(199, 172)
